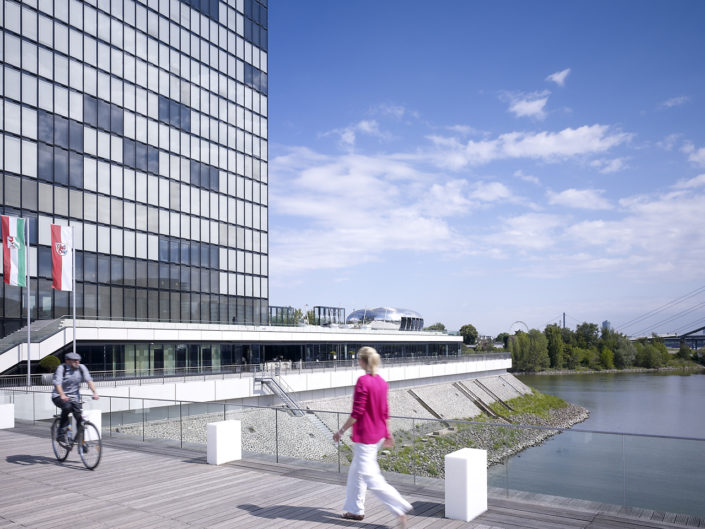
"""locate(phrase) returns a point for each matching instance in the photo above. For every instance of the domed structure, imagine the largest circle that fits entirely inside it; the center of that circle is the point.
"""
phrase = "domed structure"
(387, 318)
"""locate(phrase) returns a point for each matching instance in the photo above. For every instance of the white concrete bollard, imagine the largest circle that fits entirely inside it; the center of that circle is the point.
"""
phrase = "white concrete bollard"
(224, 442)
(7, 416)
(466, 484)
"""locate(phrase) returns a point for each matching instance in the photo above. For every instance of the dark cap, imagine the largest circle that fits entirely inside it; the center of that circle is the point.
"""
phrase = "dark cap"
(72, 356)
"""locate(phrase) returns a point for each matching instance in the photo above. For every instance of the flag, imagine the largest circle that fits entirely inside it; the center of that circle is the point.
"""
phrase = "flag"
(61, 257)
(13, 251)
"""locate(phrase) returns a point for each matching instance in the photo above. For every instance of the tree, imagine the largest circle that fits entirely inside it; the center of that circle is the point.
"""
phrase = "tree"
(469, 334)
(607, 358)
(624, 352)
(586, 335)
(555, 345)
(529, 351)
(438, 326)
(684, 352)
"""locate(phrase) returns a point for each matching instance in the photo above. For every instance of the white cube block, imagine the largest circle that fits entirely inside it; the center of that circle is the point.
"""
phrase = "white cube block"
(7, 416)
(224, 442)
(466, 484)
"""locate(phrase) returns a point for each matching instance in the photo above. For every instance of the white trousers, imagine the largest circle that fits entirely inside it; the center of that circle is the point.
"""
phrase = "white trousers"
(365, 474)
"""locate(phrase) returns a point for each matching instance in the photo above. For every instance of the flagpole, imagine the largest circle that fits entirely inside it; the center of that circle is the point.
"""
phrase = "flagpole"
(73, 277)
(29, 339)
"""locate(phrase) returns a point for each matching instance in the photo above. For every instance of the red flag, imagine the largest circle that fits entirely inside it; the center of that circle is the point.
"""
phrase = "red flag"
(61, 257)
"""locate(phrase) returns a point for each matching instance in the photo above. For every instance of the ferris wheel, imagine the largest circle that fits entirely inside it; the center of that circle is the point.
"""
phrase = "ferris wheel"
(518, 326)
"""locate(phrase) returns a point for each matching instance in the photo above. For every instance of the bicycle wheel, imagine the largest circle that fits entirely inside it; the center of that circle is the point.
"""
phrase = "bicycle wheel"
(90, 447)
(61, 448)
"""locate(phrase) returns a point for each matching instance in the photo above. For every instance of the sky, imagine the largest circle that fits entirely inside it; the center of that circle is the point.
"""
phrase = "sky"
(489, 162)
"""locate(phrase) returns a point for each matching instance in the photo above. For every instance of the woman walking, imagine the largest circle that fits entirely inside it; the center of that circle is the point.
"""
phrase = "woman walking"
(369, 431)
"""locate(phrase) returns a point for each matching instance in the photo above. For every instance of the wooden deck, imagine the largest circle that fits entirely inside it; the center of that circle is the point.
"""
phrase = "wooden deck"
(149, 486)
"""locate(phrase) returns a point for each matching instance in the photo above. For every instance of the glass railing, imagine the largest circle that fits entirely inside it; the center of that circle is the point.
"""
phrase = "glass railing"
(662, 473)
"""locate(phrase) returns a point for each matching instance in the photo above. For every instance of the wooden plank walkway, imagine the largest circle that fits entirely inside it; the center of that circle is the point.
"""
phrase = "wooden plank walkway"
(150, 486)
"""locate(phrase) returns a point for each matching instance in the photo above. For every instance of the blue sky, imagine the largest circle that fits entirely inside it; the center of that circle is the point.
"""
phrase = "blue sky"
(488, 162)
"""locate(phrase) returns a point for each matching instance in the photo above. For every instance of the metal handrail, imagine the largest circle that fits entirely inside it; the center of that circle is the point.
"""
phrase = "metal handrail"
(175, 402)
(234, 370)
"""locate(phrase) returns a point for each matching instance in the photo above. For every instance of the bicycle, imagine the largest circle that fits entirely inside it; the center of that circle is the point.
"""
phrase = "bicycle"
(87, 438)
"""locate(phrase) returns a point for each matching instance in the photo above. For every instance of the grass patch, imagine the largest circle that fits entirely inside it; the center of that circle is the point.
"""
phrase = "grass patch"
(535, 403)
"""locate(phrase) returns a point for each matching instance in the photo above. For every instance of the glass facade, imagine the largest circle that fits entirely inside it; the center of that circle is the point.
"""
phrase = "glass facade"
(142, 124)
(147, 359)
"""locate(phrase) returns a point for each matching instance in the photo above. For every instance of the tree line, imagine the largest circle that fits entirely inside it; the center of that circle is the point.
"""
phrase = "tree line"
(586, 347)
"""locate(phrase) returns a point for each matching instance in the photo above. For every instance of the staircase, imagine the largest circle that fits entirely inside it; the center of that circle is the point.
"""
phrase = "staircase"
(493, 395)
(279, 388)
(39, 330)
(477, 401)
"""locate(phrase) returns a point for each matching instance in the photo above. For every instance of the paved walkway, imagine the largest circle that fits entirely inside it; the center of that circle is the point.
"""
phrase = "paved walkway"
(147, 486)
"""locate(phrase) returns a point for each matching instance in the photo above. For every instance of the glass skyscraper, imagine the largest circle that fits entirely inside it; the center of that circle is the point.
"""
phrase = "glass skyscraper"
(143, 124)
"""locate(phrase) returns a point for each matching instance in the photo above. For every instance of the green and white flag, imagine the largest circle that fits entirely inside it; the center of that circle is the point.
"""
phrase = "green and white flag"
(13, 251)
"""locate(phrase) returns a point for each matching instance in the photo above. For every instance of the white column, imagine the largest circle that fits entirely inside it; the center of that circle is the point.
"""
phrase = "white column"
(224, 442)
(466, 484)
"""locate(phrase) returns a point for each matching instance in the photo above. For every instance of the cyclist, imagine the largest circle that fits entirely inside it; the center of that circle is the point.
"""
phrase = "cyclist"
(67, 383)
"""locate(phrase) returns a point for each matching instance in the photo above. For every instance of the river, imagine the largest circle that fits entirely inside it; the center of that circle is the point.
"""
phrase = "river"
(649, 472)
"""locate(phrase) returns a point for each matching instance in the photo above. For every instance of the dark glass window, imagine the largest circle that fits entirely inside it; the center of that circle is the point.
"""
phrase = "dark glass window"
(90, 267)
(174, 113)
(116, 310)
(163, 109)
(153, 304)
(116, 119)
(185, 118)
(90, 297)
(129, 272)
(32, 229)
(153, 159)
(141, 273)
(45, 126)
(76, 136)
(215, 282)
(195, 279)
(103, 301)
(214, 178)
(163, 249)
(185, 257)
(76, 170)
(205, 254)
(61, 132)
(90, 111)
(152, 274)
(116, 271)
(195, 173)
(61, 166)
(141, 304)
(205, 280)
(174, 279)
(44, 258)
(215, 257)
(128, 152)
(174, 251)
(185, 278)
(129, 303)
(163, 275)
(195, 253)
(45, 162)
(141, 156)
(103, 269)
(79, 265)
(103, 115)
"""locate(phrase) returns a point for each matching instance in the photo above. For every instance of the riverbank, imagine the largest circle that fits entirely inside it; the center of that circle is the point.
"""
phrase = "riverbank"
(668, 369)
(422, 452)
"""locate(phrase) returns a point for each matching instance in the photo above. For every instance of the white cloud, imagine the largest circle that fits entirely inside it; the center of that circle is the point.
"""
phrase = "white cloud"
(527, 178)
(528, 105)
(547, 146)
(348, 135)
(533, 231)
(579, 198)
(610, 166)
(698, 181)
(490, 192)
(559, 77)
(675, 101)
(696, 156)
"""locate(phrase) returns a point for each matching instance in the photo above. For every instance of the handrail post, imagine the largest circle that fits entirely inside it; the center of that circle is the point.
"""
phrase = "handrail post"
(276, 434)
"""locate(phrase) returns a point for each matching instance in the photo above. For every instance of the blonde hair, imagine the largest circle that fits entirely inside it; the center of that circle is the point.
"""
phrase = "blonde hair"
(371, 359)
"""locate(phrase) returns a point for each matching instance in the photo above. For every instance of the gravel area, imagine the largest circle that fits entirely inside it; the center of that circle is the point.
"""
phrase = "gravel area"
(309, 437)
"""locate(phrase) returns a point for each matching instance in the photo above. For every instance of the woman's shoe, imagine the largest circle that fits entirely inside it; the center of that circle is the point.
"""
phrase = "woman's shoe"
(350, 516)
